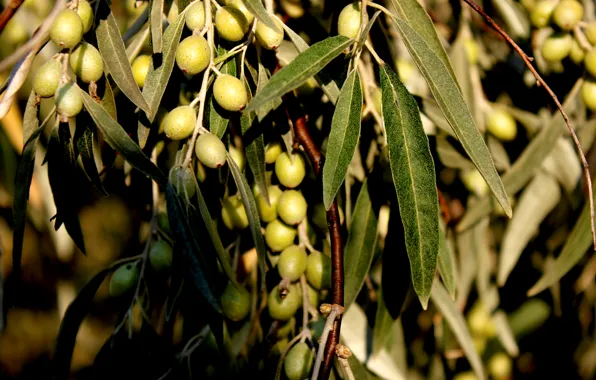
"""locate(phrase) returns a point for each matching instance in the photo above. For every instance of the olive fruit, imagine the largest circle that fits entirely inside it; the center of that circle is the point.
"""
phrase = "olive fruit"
(541, 13)
(467, 375)
(290, 174)
(180, 122)
(502, 125)
(291, 207)
(284, 330)
(86, 63)
(292, 263)
(318, 270)
(230, 93)
(47, 79)
(589, 94)
(313, 296)
(272, 151)
(210, 151)
(193, 55)
(480, 321)
(160, 256)
(140, 68)
(500, 366)
(85, 12)
(577, 53)
(590, 32)
(163, 222)
(233, 213)
(68, 100)
(567, 14)
(472, 50)
(183, 180)
(124, 279)
(307, 88)
(268, 212)
(293, 8)
(279, 347)
(267, 37)
(67, 29)
(231, 24)
(239, 4)
(279, 235)
(590, 62)
(195, 16)
(349, 20)
(556, 47)
(298, 362)
(14, 32)
(235, 302)
(238, 157)
(282, 309)
(474, 182)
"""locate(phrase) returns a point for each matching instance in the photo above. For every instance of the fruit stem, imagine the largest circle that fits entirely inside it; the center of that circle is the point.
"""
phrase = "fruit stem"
(331, 319)
(9, 12)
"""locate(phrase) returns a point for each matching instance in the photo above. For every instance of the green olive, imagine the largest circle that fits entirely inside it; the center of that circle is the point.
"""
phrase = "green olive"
(210, 151)
(556, 47)
(68, 100)
(183, 181)
(502, 125)
(282, 309)
(590, 32)
(279, 235)
(590, 62)
(235, 302)
(267, 37)
(480, 321)
(291, 207)
(279, 347)
(318, 270)
(272, 151)
(349, 20)
(292, 263)
(47, 79)
(86, 63)
(290, 174)
(589, 94)
(124, 279)
(85, 12)
(195, 16)
(268, 212)
(140, 68)
(500, 366)
(160, 256)
(541, 13)
(193, 55)
(567, 14)
(233, 213)
(286, 329)
(230, 93)
(231, 24)
(14, 33)
(67, 29)
(293, 8)
(163, 222)
(472, 50)
(238, 157)
(474, 182)
(577, 53)
(298, 362)
(239, 4)
(180, 122)
(313, 296)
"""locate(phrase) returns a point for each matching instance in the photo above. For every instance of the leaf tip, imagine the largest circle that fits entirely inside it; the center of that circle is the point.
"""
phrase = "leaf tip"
(424, 300)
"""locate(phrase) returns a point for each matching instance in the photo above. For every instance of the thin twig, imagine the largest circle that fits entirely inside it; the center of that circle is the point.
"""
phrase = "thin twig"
(527, 60)
(335, 313)
(9, 12)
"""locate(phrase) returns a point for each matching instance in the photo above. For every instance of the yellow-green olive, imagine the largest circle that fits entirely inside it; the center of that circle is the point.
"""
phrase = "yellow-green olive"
(267, 37)
(349, 20)
(290, 171)
(193, 55)
(68, 100)
(291, 207)
(210, 150)
(567, 14)
(279, 235)
(235, 302)
(140, 68)
(501, 124)
(180, 122)
(67, 29)
(86, 63)
(47, 79)
(230, 93)
(195, 16)
(231, 24)
(268, 212)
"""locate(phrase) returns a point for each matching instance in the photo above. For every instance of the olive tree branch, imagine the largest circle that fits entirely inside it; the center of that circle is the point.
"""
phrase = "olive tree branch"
(334, 313)
(527, 60)
(11, 8)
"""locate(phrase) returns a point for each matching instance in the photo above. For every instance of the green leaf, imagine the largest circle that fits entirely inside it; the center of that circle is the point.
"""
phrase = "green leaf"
(360, 245)
(253, 215)
(456, 321)
(156, 23)
(264, 110)
(254, 149)
(450, 157)
(83, 141)
(119, 140)
(307, 64)
(158, 77)
(108, 102)
(440, 79)
(446, 261)
(383, 324)
(113, 52)
(258, 10)
(343, 137)
(529, 317)
(30, 118)
(413, 174)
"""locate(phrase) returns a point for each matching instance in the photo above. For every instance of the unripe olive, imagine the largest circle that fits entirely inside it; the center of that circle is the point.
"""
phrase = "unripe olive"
(238, 157)
(180, 122)
(47, 79)
(140, 68)
(195, 16)
(290, 174)
(279, 235)
(163, 222)
(233, 213)
(14, 32)
(567, 14)
(183, 181)
(210, 151)
(160, 256)
(318, 270)
(474, 182)
(472, 50)
(292, 263)
(376, 99)
(230, 93)
(577, 53)
(235, 302)
(556, 47)
(313, 296)
(268, 212)
(279, 347)
(467, 375)
(287, 328)
(67, 29)
(68, 100)
(349, 20)
(291, 207)
(231, 24)
(272, 151)
(298, 362)
(480, 321)
(589, 94)
(307, 88)
(193, 55)
(500, 366)
(590, 32)
(85, 12)
(590, 62)
(282, 309)
(269, 38)
(239, 4)
(502, 125)
(124, 279)
(293, 8)
(86, 63)
(541, 13)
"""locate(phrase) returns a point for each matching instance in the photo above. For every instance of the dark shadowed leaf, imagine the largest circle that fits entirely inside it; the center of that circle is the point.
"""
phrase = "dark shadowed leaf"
(108, 102)
(258, 10)
(83, 141)
(254, 149)
(30, 117)
(156, 22)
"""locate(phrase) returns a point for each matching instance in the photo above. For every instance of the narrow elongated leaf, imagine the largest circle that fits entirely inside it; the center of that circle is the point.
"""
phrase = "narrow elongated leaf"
(383, 323)
(30, 117)
(499, 154)
(360, 245)
(108, 102)
(84, 144)
(538, 199)
(262, 80)
(18, 75)
(307, 64)
(504, 333)
(156, 25)
(413, 174)
(343, 137)
(254, 149)
(529, 317)
(444, 87)
(446, 261)
(457, 323)
(118, 139)
(450, 157)
(253, 215)
(258, 10)
(113, 51)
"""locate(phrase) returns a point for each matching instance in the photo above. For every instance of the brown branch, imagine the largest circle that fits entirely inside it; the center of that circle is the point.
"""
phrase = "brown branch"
(541, 82)
(9, 12)
(296, 114)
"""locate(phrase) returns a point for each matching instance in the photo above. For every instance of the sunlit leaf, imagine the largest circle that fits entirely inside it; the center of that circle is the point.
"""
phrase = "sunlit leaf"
(254, 149)
(264, 110)
(156, 25)
(504, 333)
(258, 10)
